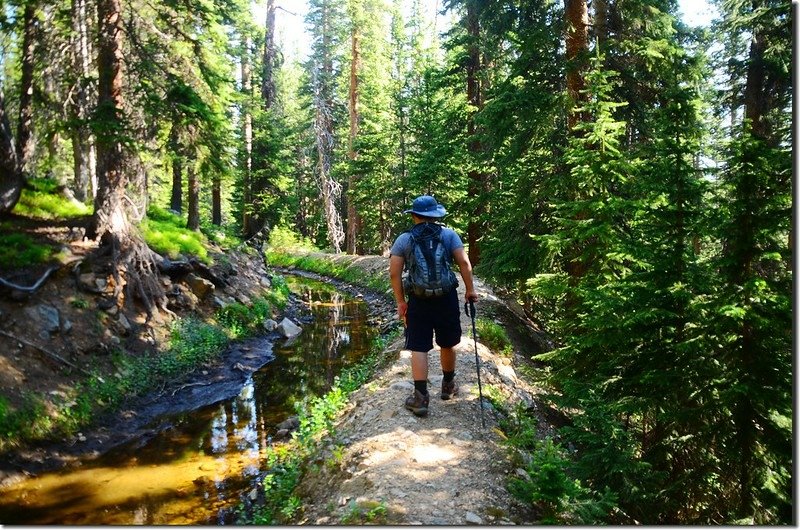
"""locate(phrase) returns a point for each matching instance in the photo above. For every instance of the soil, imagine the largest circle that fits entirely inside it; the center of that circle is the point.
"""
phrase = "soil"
(49, 360)
(383, 465)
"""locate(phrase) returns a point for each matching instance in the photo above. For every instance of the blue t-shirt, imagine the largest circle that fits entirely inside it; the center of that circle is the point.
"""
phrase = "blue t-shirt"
(402, 245)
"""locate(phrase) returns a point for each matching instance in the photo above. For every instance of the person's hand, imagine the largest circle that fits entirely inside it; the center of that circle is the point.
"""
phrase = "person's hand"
(402, 309)
(471, 296)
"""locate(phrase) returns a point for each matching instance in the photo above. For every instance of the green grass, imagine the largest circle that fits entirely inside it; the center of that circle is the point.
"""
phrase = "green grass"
(40, 199)
(18, 250)
(166, 233)
(326, 267)
(494, 336)
(287, 462)
(193, 344)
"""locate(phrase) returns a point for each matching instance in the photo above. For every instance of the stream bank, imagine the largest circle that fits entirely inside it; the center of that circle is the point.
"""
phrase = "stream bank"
(444, 469)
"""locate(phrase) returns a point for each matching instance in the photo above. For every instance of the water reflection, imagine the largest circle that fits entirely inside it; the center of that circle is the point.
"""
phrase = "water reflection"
(198, 470)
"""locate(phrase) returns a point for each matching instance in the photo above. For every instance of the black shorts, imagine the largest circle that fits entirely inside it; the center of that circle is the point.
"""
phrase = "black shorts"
(428, 315)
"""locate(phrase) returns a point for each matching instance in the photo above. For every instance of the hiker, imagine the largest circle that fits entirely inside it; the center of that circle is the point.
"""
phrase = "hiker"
(420, 268)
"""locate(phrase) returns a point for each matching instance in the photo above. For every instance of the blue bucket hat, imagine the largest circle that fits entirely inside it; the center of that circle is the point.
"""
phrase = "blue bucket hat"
(426, 206)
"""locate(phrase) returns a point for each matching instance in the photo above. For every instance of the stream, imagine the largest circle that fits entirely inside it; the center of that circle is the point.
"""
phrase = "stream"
(201, 468)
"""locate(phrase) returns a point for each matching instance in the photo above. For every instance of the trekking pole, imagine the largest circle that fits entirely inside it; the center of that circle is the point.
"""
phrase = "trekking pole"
(469, 309)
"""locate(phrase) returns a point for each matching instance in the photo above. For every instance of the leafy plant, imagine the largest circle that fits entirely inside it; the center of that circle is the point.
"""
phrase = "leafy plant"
(494, 336)
(79, 303)
(559, 497)
(373, 512)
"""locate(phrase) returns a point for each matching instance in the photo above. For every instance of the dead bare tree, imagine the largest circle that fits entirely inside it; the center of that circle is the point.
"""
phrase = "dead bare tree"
(330, 189)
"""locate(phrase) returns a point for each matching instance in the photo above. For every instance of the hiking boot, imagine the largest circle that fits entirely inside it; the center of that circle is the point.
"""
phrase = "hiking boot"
(418, 403)
(449, 389)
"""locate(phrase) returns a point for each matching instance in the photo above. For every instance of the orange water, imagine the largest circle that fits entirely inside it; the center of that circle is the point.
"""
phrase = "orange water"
(209, 461)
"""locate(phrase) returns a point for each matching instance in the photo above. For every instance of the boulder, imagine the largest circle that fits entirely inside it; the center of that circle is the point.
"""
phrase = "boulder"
(86, 282)
(45, 317)
(218, 302)
(289, 329)
(199, 286)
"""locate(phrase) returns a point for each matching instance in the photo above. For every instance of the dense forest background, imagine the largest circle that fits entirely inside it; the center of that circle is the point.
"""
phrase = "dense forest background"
(626, 177)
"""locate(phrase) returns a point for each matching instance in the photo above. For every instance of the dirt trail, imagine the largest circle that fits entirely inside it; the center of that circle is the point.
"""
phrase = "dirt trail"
(444, 469)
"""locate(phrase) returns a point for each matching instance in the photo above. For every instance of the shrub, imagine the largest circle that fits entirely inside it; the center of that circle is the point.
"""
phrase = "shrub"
(283, 239)
(559, 498)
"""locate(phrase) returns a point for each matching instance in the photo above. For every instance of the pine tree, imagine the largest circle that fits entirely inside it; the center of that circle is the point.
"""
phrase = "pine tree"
(754, 303)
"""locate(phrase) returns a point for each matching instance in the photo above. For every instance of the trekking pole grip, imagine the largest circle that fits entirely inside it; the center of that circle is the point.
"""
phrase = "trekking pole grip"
(469, 309)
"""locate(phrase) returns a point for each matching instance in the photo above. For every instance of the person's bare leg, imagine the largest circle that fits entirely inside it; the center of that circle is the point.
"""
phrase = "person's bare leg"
(448, 357)
(419, 366)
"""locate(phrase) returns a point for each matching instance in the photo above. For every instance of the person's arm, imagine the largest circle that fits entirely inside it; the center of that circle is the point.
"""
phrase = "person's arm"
(396, 277)
(465, 267)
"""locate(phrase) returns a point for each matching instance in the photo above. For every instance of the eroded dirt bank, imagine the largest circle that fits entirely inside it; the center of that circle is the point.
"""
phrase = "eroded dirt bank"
(444, 469)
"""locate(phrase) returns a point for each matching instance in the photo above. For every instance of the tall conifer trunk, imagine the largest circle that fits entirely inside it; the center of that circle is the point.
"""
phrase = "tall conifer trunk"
(193, 198)
(83, 148)
(25, 124)
(477, 178)
(11, 180)
(216, 200)
(176, 196)
(577, 20)
(353, 216)
(577, 45)
(133, 263)
(247, 136)
(110, 218)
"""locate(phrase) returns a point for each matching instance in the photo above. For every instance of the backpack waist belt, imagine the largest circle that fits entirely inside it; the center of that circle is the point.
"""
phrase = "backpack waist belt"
(428, 293)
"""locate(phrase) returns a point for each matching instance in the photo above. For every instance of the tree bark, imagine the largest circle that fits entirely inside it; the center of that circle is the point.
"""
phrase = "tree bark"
(330, 188)
(477, 178)
(270, 54)
(110, 217)
(11, 178)
(176, 196)
(25, 125)
(601, 23)
(133, 263)
(193, 198)
(354, 220)
(577, 21)
(247, 135)
(216, 200)
(83, 155)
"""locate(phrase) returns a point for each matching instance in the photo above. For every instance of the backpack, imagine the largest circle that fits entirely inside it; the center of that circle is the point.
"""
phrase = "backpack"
(427, 267)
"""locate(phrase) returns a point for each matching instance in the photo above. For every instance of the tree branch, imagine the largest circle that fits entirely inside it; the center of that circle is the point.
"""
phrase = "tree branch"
(45, 351)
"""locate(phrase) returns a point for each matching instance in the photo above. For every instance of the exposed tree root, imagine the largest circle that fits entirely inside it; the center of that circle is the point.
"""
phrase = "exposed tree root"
(33, 288)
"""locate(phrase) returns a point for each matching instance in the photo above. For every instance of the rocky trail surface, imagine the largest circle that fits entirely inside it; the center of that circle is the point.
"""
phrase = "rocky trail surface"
(443, 469)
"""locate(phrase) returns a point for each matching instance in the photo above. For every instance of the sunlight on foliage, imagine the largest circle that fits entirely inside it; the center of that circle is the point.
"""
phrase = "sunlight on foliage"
(166, 233)
(284, 239)
(40, 199)
(493, 335)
